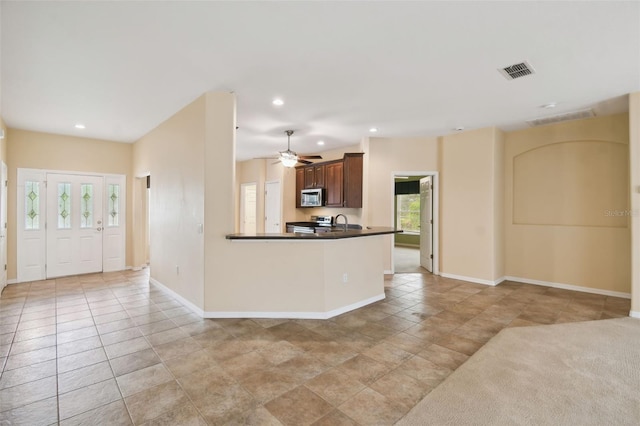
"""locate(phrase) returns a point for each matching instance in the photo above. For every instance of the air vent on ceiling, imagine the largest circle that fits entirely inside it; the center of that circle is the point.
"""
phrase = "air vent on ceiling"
(567, 116)
(517, 70)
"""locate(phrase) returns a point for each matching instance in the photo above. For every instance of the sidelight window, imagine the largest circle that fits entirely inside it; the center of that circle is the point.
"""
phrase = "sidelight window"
(114, 204)
(32, 205)
(64, 206)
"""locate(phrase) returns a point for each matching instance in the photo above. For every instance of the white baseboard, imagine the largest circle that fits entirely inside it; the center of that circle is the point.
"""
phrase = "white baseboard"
(570, 287)
(634, 314)
(296, 315)
(472, 279)
(288, 315)
(388, 272)
(12, 281)
(182, 300)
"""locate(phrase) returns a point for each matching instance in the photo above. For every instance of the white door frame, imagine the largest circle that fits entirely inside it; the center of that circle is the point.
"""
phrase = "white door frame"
(37, 250)
(435, 195)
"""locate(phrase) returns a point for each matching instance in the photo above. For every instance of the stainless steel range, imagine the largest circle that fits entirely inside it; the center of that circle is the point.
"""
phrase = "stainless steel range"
(314, 225)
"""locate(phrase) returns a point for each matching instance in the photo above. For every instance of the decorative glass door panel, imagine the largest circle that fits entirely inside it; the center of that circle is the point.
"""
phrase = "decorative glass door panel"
(74, 234)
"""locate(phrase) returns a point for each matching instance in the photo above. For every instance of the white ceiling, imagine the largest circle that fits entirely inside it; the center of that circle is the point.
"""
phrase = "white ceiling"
(408, 68)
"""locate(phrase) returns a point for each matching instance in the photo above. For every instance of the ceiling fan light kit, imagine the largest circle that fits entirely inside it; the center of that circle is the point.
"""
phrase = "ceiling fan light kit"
(289, 158)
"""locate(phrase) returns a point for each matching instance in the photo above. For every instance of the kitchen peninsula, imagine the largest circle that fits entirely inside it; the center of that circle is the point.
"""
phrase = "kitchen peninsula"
(332, 235)
(302, 275)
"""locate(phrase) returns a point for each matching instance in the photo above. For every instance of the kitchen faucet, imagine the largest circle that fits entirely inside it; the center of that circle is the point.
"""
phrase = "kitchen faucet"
(346, 221)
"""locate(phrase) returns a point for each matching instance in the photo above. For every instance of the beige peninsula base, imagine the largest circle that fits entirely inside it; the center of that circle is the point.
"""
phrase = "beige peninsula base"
(301, 278)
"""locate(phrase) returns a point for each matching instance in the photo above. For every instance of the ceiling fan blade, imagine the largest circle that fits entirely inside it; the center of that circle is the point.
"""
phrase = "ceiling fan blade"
(266, 158)
(304, 161)
(311, 157)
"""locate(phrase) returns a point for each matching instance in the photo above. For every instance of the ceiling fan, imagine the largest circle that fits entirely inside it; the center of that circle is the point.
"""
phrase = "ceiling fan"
(289, 158)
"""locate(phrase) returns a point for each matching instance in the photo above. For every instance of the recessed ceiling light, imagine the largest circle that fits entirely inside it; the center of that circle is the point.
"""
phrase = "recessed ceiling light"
(320, 142)
(80, 126)
(373, 129)
(278, 102)
(549, 105)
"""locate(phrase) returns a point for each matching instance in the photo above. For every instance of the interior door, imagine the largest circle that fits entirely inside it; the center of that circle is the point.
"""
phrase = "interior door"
(426, 224)
(74, 224)
(248, 208)
(3, 226)
(272, 208)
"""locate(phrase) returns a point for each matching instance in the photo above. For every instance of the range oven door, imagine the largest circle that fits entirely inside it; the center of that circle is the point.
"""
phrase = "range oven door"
(304, 229)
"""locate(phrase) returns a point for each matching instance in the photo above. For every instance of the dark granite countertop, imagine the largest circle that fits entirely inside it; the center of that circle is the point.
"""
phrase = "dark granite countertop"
(333, 235)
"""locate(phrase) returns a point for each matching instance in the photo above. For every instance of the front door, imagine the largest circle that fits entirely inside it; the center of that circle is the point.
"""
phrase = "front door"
(74, 224)
(426, 224)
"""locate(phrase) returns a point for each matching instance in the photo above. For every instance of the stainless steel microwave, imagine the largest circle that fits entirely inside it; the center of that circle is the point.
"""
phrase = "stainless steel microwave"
(312, 197)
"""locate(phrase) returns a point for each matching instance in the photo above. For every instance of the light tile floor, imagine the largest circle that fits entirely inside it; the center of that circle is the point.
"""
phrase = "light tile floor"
(111, 349)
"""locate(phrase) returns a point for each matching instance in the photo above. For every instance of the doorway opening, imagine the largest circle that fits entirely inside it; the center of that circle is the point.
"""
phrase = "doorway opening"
(248, 207)
(415, 212)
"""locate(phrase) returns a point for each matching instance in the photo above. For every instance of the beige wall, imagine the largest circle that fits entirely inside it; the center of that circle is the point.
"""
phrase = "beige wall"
(634, 195)
(470, 197)
(26, 149)
(561, 180)
(173, 155)
(220, 200)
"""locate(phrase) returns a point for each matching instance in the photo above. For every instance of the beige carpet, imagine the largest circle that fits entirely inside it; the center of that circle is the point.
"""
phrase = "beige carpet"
(407, 260)
(585, 373)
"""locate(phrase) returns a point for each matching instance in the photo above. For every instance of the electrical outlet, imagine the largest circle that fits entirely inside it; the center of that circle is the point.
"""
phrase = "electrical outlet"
(345, 278)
